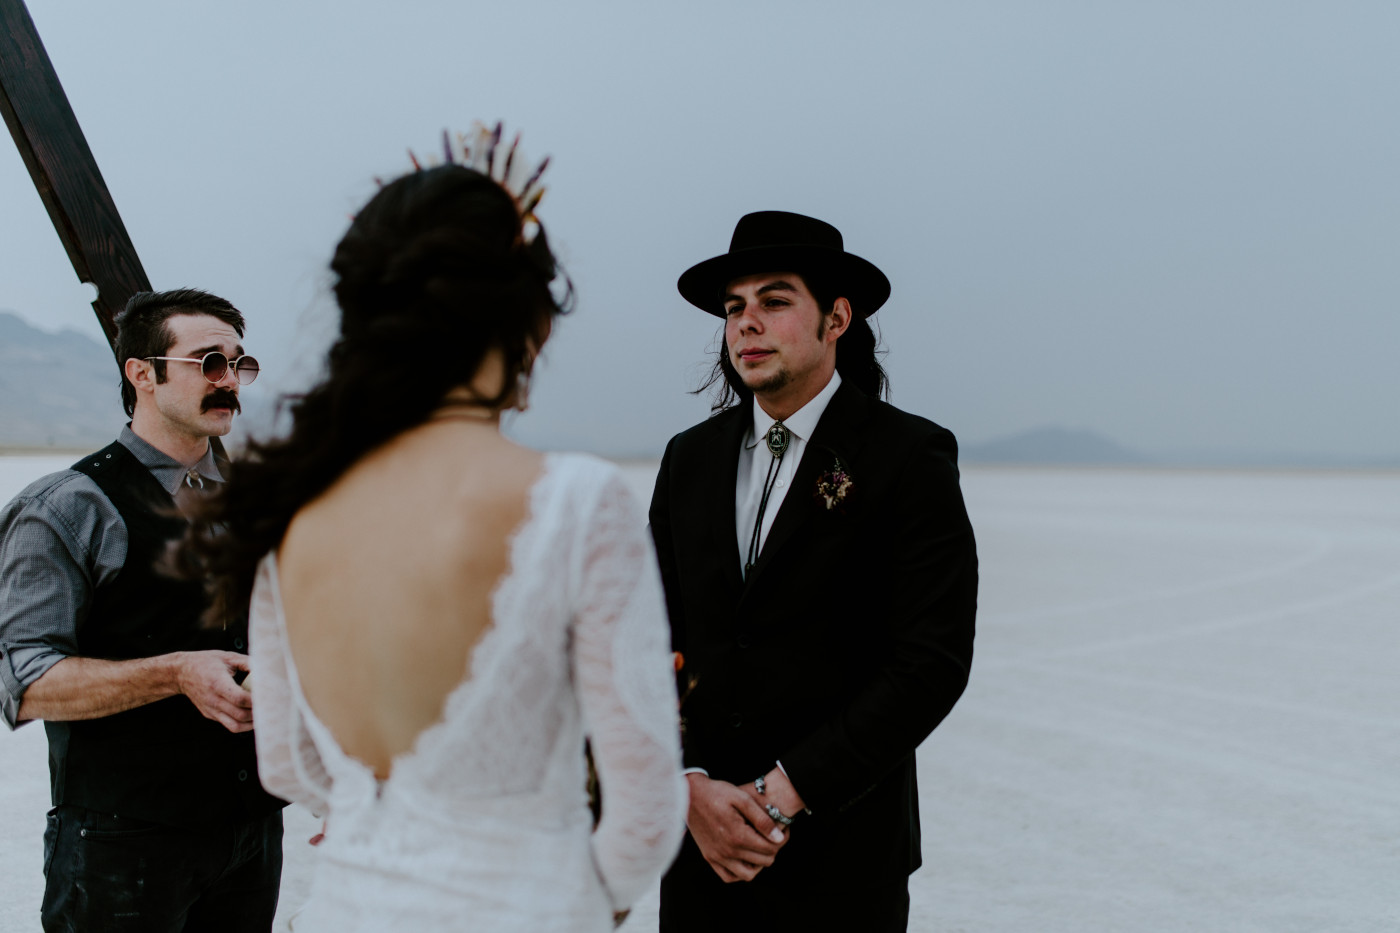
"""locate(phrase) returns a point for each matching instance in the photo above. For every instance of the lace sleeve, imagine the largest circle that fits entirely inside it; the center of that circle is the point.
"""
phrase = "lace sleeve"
(623, 669)
(288, 763)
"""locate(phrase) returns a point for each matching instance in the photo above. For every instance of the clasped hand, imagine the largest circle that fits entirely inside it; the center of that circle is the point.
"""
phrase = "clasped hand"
(732, 829)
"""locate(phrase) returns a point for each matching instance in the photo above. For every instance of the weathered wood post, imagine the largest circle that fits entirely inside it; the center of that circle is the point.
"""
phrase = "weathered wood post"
(63, 168)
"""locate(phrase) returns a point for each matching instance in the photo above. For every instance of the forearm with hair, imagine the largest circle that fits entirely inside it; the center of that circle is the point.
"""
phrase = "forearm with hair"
(88, 688)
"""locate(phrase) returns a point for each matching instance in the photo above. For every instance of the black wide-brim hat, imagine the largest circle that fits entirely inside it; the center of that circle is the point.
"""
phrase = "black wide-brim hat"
(777, 241)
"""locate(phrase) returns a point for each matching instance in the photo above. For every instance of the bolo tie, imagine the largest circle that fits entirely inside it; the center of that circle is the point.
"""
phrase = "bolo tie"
(190, 485)
(777, 439)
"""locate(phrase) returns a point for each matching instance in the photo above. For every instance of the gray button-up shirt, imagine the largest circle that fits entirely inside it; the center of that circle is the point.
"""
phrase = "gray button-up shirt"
(60, 539)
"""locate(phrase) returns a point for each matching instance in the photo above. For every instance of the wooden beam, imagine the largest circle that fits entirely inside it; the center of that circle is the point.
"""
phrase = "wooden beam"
(63, 168)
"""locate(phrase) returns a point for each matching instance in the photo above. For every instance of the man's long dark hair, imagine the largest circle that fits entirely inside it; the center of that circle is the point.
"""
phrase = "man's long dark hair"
(433, 274)
(857, 354)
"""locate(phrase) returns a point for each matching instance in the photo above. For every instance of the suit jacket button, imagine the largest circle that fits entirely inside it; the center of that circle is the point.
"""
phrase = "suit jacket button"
(736, 720)
(243, 775)
(744, 641)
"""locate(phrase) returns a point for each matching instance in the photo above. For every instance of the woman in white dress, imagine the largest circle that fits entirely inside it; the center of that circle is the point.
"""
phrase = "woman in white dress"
(439, 616)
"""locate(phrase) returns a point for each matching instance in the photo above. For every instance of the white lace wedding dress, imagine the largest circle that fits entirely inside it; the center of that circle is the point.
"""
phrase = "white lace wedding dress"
(483, 824)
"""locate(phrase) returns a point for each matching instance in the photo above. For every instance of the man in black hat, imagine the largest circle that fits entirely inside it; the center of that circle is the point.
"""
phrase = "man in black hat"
(821, 578)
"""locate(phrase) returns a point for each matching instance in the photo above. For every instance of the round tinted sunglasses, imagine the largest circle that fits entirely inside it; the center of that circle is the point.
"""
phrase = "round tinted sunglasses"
(215, 366)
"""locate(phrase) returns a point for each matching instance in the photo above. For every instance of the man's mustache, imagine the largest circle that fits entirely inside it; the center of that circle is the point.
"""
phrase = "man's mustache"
(222, 398)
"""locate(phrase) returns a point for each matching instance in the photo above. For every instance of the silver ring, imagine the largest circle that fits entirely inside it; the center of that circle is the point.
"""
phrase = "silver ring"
(760, 785)
(777, 815)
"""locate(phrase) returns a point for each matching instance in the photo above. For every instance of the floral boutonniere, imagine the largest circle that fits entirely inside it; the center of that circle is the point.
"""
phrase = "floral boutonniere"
(834, 486)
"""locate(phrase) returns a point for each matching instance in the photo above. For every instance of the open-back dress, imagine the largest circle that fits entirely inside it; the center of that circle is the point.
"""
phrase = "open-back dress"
(483, 824)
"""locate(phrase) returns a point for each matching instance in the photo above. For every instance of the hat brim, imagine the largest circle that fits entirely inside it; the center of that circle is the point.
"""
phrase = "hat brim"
(857, 280)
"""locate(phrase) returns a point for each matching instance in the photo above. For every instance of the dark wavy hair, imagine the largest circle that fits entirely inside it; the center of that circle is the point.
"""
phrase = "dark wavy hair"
(434, 273)
(858, 353)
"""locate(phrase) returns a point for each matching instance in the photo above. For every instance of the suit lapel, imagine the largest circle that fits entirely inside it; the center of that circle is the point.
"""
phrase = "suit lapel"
(720, 502)
(840, 432)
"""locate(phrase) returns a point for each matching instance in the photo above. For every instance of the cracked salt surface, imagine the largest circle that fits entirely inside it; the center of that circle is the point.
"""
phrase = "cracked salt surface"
(1183, 713)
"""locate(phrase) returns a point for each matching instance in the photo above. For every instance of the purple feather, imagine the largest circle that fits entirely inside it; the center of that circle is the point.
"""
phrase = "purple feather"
(535, 177)
(491, 153)
(510, 158)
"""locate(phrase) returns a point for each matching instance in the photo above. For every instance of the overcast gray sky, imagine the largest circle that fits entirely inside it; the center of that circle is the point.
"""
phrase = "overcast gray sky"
(1173, 223)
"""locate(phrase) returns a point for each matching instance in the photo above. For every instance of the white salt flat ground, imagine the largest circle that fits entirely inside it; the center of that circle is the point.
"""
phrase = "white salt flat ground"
(1182, 716)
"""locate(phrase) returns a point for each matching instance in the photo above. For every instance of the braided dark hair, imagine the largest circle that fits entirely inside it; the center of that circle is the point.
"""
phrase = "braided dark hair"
(433, 274)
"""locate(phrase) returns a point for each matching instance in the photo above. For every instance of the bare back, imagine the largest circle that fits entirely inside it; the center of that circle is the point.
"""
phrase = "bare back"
(387, 580)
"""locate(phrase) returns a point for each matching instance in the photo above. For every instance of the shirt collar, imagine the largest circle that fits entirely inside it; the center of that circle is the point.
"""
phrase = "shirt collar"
(168, 471)
(802, 422)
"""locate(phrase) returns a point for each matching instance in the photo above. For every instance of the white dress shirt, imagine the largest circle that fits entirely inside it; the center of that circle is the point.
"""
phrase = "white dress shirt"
(754, 461)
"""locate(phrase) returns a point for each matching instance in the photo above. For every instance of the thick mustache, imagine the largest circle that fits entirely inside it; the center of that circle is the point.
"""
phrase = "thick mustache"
(223, 398)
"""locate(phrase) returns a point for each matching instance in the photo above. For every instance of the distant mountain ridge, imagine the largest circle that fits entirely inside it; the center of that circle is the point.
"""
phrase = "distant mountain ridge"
(1052, 445)
(62, 390)
(56, 389)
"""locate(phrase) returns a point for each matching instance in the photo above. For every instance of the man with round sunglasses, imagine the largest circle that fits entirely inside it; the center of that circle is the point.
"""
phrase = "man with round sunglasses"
(159, 822)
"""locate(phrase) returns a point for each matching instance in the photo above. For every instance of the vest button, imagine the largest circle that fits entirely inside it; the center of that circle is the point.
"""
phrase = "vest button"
(243, 775)
(744, 641)
(238, 643)
(736, 720)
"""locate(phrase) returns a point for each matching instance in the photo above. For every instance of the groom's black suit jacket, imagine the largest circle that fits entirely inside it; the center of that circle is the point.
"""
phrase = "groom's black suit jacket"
(849, 642)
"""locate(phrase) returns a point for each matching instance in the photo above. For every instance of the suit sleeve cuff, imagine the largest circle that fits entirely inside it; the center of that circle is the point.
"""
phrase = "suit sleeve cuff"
(806, 810)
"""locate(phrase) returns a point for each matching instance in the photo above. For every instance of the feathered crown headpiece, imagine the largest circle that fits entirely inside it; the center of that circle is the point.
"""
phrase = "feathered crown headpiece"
(481, 150)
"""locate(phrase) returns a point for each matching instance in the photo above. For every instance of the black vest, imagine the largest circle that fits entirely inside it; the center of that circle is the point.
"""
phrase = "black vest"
(162, 762)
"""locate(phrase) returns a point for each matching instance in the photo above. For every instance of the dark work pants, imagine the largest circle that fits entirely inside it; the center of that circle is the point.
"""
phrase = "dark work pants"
(110, 873)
